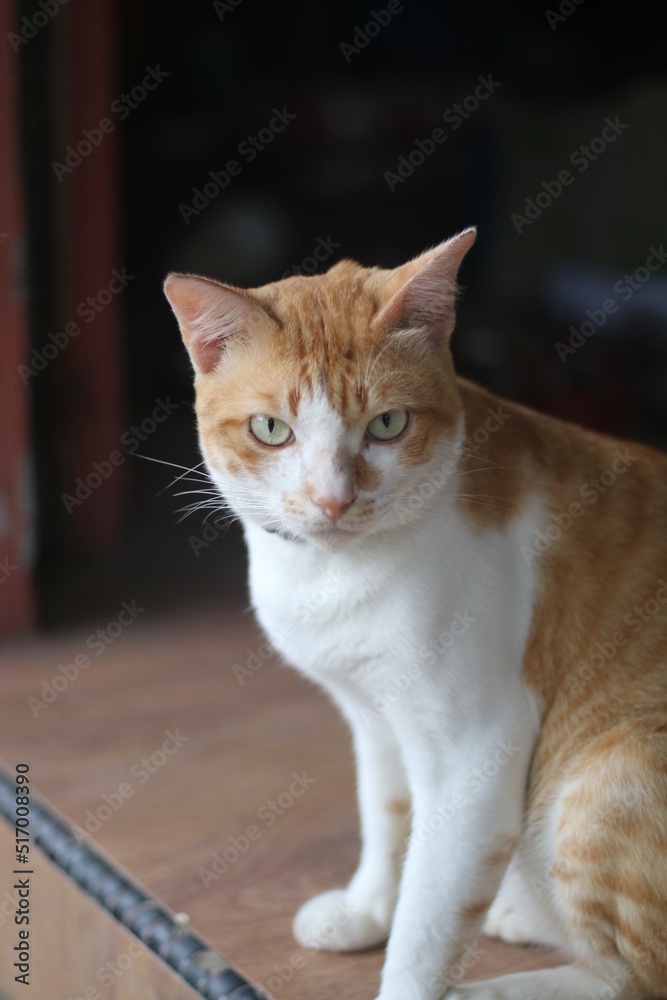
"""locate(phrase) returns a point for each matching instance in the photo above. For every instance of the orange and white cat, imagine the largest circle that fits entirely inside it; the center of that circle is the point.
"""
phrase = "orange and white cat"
(498, 644)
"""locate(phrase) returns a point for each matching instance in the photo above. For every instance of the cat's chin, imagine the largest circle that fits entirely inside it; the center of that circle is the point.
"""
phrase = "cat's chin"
(332, 539)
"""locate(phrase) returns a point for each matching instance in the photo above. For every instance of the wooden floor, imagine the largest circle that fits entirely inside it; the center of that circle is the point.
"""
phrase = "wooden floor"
(76, 948)
(172, 764)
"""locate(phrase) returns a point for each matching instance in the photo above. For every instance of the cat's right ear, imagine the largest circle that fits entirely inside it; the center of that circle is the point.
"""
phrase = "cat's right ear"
(210, 315)
(423, 291)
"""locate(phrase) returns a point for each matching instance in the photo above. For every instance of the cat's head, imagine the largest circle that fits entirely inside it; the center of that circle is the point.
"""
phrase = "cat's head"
(323, 402)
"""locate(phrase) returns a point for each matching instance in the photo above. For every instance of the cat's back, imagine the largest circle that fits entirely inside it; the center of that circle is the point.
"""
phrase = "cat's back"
(594, 511)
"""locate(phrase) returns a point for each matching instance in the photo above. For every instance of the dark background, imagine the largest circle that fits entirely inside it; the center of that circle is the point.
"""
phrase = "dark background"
(324, 177)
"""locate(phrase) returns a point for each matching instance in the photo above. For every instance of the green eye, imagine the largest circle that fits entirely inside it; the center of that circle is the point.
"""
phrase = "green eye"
(270, 430)
(388, 426)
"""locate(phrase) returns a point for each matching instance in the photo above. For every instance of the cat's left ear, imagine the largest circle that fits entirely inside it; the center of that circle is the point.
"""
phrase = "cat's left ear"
(426, 289)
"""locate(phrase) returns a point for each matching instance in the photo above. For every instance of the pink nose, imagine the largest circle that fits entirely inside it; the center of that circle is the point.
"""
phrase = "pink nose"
(333, 508)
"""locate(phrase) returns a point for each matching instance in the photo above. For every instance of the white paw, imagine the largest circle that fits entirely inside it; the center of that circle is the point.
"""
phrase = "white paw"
(329, 922)
(505, 922)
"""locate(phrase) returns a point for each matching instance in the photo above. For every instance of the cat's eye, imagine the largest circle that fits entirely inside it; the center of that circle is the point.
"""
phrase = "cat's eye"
(388, 426)
(270, 430)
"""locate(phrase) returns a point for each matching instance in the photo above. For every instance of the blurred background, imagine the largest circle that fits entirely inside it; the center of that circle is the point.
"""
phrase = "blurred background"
(247, 140)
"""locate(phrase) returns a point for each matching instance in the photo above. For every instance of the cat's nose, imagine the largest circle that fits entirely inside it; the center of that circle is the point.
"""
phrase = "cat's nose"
(333, 507)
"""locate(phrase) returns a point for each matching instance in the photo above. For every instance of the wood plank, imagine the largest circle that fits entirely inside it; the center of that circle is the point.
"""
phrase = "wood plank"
(165, 806)
(78, 950)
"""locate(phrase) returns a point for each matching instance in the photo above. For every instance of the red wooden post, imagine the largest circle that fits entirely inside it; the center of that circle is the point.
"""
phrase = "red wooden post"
(90, 386)
(17, 606)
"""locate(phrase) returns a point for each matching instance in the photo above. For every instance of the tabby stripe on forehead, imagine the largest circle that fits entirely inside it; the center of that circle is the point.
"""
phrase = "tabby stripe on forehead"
(339, 394)
(293, 397)
(304, 380)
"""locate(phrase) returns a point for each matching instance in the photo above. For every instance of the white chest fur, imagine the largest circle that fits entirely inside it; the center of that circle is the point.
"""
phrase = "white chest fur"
(419, 636)
(431, 598)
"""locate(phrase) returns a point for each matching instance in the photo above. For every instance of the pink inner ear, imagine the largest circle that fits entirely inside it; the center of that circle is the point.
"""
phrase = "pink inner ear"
(428, 296)
(209, 314)
(429, 301)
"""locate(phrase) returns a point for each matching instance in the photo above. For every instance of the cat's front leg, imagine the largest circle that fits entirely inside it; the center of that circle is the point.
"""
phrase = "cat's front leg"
(360, 915)
(468, 801)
